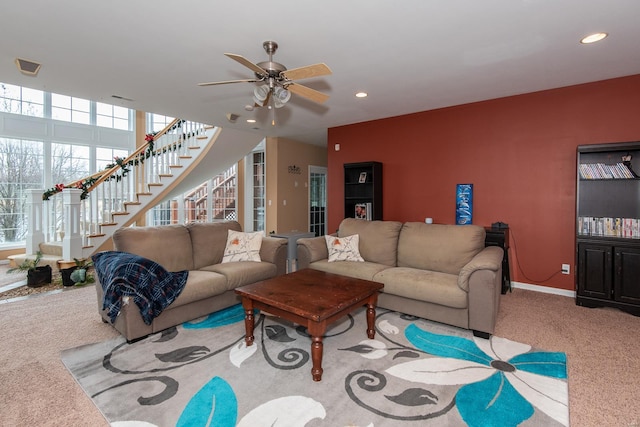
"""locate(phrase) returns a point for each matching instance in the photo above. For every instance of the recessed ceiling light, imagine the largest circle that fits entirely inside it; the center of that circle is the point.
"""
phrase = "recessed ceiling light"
(251, 120)
(592, 38)
(361, 95)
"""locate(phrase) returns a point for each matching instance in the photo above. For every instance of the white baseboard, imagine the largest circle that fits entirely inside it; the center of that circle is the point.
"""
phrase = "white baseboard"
(544, 289)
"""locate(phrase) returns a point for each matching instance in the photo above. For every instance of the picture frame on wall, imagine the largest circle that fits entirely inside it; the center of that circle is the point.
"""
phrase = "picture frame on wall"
(363, 178)
(464, 204)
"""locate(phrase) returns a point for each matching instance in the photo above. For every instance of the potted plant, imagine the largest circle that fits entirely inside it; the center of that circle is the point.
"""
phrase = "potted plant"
(37, 275)
(79, 276)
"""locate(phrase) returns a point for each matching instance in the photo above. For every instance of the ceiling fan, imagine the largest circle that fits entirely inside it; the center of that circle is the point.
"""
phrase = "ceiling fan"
(279, 82)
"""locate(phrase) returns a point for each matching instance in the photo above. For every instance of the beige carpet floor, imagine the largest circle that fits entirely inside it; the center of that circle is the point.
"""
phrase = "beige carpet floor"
(602, 345)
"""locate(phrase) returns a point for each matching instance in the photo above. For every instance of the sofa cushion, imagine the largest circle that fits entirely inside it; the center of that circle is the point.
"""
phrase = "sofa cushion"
(423, 285)
(243, 272)
(439, 247)
(343, 248)
(208, 241)
(242, 246)
(378, 239)
(361, 270)
(201, 285)
(168, 245)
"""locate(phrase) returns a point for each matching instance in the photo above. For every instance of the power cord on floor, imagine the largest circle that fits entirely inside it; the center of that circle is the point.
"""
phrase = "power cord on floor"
(515, 249)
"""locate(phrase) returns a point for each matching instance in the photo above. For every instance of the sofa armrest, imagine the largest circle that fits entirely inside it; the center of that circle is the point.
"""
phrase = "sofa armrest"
(274, 250)
(490, 258)
(311, 249)
(482, 279)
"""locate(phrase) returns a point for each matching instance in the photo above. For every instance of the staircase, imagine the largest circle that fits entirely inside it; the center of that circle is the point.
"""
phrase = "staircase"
(78, 219)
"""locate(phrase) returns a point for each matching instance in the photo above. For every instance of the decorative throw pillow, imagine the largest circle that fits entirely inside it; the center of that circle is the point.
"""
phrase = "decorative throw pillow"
(344, 248)
(242, 246)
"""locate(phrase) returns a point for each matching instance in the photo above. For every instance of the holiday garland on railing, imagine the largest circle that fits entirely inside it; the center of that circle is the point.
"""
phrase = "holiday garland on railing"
(86, 183)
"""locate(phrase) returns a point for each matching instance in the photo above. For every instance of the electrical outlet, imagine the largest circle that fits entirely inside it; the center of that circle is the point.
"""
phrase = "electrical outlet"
(566, 268)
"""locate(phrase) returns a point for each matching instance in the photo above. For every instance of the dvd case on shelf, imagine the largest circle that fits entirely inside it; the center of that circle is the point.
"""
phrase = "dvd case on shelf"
(627, 228)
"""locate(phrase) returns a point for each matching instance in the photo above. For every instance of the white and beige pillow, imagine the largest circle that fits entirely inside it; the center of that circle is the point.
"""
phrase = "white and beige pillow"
(344, 248)
(242, 246)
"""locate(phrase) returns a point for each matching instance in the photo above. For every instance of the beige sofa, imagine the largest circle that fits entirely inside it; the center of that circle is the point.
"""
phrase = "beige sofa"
(438, 272)
(198, 248)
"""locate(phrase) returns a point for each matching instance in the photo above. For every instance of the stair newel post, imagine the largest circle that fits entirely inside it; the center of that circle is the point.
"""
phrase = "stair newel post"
(35, 234)
(72, 242)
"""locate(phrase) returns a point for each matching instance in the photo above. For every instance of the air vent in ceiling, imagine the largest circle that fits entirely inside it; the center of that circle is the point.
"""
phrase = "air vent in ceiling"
(29, 68)
(121, 97)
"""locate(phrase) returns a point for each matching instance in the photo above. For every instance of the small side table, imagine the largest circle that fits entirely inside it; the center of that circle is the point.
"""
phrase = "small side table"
(292, 246)
(500, 237)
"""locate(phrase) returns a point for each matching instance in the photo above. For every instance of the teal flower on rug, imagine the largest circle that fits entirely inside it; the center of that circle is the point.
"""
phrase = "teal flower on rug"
(224, 317)
(214, 405)
(502, 380)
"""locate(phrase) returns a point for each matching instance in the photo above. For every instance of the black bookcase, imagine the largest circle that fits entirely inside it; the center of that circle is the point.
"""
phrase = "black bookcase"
(608, 222)
(363, 186)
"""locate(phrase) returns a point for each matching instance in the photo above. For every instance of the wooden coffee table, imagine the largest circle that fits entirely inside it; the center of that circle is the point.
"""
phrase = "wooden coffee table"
(311, 298)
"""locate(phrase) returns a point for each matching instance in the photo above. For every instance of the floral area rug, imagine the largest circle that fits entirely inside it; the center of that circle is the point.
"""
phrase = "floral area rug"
(414, 373)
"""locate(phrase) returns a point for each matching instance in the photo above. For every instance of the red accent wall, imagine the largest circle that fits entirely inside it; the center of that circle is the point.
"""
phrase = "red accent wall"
(518, 152)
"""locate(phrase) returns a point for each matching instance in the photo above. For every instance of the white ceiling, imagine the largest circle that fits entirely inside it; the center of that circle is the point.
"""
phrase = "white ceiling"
(409, 55)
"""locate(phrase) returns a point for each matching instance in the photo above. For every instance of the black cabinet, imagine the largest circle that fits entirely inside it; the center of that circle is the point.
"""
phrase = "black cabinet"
(500, 237)
(608, 226)
(609, 275)
(363, 190)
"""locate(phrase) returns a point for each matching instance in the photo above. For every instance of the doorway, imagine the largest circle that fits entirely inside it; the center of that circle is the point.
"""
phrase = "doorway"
(317, 200)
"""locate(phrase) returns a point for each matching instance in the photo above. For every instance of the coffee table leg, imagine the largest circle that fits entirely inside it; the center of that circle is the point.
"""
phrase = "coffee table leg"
(247, 304)
(316, 330)
(371, 319)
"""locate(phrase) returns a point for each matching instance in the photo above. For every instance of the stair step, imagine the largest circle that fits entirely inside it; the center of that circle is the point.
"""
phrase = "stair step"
(108, 224)
(132, 203)
(175, 166)
(51, 260)
(51, 248)
(96, 235)
(193, 148)
(155, 184)
(120, 213)
(202, 137)
(143, 194)
(166, 175)
(186, 157)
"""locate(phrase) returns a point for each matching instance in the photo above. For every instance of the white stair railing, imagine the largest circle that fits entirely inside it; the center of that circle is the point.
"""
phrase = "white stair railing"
(74, 215)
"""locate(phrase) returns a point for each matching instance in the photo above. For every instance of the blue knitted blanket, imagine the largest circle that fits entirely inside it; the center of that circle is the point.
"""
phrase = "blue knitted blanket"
(151, 286)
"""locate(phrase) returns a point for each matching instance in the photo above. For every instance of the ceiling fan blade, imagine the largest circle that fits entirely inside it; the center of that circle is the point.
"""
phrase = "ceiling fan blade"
(307, 92)
(225, 82)
(315, 70)
(250, 65)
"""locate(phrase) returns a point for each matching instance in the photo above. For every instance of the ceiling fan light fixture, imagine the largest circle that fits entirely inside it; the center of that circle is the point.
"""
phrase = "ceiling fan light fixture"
(280, 97)
(260, 94)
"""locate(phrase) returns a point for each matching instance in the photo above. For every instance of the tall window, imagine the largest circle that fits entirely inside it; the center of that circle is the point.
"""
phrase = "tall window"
(70, 109)
(70, 162)
(258, 190)
(157, 122)
(21, 100)
(106, 156)
(112, 116)
(22, 169)
(317, 199)
(36, 103)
